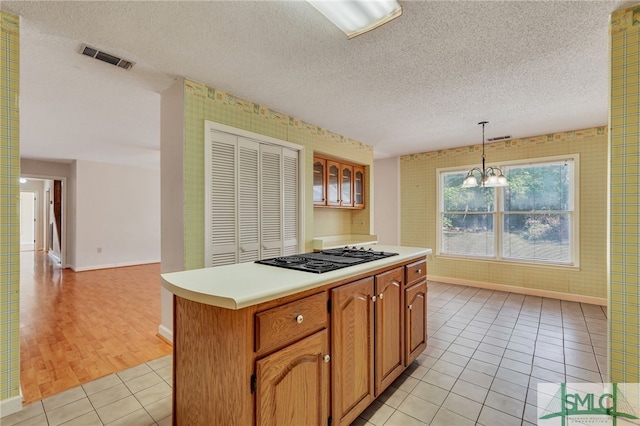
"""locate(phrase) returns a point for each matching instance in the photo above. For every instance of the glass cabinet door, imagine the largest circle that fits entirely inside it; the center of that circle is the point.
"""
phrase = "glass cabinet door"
(337, 183)
(333, 183)
(358, 187)
(319, 188)
(346, 186)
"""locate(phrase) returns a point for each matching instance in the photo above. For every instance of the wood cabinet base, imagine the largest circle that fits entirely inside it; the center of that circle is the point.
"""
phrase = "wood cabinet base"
(273, 364)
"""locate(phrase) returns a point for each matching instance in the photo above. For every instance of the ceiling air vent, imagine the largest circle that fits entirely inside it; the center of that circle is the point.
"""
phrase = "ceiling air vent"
(105, 57)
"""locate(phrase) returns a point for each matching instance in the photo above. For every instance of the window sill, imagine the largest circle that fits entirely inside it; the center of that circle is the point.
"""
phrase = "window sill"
(561, 266)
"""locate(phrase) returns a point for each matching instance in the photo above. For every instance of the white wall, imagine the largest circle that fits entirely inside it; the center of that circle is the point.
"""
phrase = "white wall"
(172, 166)
(117, 213)
(386, 219)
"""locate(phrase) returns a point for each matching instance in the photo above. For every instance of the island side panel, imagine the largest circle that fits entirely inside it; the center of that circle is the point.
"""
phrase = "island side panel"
(213, 357)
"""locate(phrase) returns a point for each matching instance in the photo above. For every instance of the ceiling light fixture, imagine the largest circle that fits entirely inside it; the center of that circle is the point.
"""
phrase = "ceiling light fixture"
(355, 17)
(489, 176)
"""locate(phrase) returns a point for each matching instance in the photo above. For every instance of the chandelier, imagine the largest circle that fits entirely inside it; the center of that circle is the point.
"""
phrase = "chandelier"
(489, 176)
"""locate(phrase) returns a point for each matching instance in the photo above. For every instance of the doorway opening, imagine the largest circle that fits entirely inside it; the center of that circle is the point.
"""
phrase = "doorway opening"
(42, 217)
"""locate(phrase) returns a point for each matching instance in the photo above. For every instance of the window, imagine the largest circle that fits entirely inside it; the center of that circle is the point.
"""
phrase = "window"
(531, 220)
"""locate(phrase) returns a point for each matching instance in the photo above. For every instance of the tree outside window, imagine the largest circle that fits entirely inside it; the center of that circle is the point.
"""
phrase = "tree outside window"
(529, 220)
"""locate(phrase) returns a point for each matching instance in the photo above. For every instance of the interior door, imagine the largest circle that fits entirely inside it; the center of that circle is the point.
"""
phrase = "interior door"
(291, 200)
(27, 220)
(271, 201)
(248, 200)
(220, 199)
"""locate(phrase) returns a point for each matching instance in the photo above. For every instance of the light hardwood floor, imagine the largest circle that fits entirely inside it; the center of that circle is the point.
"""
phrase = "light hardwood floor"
(79, 326)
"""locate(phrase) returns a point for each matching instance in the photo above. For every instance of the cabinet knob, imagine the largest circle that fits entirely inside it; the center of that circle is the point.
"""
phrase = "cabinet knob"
(373, 298)
(419, 271)
(326, 358)
(299, 319)
(410, 307)
(380, 295)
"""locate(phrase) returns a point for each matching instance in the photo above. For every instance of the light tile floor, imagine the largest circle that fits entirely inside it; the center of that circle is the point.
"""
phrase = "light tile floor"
(487, 351)
(138, 396)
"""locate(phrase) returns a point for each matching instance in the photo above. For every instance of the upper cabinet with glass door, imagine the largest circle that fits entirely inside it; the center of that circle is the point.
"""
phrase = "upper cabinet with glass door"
(319, 181)
(358, 187)
(337, 183)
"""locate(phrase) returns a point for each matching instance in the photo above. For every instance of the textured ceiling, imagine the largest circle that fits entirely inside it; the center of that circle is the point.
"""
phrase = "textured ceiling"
(419, 83)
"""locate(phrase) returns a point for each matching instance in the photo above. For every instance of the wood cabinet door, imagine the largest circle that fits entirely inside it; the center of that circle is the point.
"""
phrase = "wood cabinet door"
(292, 384)
(389, 327)
(333, 183)
(352, 349)
(319, 181)
(358, 186)
(416, 320)
(346, 185)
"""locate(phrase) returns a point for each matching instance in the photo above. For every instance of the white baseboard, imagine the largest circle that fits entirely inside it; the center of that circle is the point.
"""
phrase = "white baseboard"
(522, 290)
(165, 333)
(10, 406)
(27, 246)
(113, 265)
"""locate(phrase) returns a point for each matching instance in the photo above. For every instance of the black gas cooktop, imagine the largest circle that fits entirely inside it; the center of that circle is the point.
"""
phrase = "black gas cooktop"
(327, 260)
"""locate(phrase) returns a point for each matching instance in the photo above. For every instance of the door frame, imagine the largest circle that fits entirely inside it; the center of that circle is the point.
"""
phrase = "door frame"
(65, 227)
(234, 131)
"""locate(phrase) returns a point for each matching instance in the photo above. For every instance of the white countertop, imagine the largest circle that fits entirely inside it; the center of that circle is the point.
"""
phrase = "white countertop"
(246, 284)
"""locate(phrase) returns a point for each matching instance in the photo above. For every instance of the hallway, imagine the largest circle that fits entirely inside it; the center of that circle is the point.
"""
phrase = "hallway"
(77, 327)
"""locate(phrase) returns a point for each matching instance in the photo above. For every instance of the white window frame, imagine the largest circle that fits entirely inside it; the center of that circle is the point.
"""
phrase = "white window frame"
(498, 214)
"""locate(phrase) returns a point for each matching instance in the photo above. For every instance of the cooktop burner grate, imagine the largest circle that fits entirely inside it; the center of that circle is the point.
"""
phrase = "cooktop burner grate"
(290, 259)
(326, 260)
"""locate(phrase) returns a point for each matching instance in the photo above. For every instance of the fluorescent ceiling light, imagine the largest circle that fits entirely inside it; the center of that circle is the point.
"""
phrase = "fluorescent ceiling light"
(355, 17)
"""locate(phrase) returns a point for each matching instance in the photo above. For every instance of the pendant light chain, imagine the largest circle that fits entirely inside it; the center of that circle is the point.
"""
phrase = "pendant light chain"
(489, 176)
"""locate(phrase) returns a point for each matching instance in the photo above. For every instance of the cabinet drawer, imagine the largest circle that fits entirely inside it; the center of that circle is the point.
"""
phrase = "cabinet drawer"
(285, 324)
(416, 271)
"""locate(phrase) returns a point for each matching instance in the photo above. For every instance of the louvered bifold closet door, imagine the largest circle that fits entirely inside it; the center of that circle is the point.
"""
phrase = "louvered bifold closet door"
(271, 201)
(220, 229)
(290, 208)
(248, 200)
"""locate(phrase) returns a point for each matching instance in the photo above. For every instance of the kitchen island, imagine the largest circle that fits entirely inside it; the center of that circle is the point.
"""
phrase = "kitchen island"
(257, 344)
